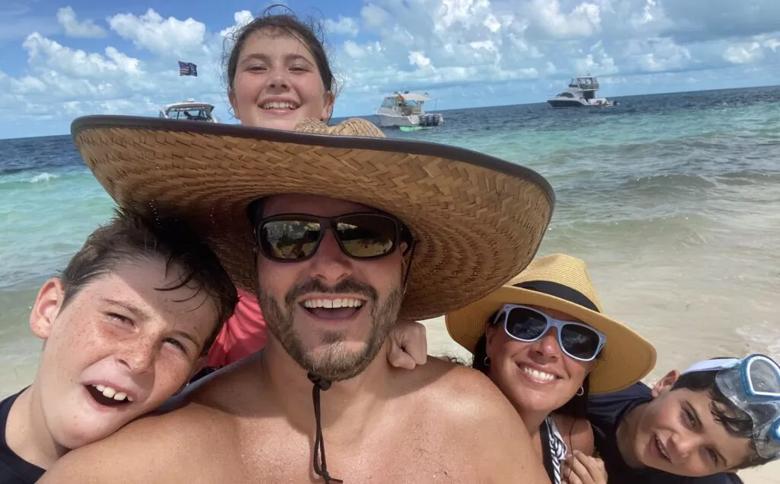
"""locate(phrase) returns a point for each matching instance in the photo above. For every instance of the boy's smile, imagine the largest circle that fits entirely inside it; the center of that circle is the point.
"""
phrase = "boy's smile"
(118, 348)
(678, 433)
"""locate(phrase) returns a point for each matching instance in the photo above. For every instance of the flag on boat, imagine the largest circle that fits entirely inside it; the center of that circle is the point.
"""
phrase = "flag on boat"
(188, 69)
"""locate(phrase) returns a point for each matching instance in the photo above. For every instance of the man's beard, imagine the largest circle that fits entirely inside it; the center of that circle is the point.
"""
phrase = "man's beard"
(335, 362)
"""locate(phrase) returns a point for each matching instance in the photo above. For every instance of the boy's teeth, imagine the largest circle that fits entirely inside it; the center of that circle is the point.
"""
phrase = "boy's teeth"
(109, 392)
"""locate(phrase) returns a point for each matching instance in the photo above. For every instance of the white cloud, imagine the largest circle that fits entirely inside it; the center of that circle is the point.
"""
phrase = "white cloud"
(357, 51)
(342, 26)
(47, 55)
(649, 13)
(492, 23)
(745, 53)
(419, 59)
(464, 13)
(73, 28)
(771, 44)
(597, 62)
(240, 19)
(583, 21)
(164, 37)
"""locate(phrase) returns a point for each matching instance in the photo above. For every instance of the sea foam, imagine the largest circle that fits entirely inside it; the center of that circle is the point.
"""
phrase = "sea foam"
(43, 177)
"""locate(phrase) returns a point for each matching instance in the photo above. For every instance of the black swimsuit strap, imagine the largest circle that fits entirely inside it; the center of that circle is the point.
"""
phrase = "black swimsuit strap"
(546, 454)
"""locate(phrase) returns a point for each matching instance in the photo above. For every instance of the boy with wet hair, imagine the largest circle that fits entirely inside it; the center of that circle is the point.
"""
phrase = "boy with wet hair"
(717, 417)
(124, 327)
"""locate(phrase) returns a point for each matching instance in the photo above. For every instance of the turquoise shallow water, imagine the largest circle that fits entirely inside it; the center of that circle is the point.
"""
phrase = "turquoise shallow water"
(674, 200)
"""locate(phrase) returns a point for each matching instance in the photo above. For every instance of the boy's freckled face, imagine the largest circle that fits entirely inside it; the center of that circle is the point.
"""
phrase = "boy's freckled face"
(118, 349)
(679, 434)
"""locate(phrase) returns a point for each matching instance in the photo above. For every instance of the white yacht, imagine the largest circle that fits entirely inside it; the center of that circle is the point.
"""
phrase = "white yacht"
(404, 109)
(189, 110)
(580, 93)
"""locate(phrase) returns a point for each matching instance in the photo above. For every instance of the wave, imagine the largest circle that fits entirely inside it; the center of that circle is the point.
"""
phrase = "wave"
(43, 177)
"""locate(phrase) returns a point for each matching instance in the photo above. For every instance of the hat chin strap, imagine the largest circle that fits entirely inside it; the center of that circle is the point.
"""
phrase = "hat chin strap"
(320, 465)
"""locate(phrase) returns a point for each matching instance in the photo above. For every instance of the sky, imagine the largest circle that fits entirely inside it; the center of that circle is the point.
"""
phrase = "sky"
(63, 59)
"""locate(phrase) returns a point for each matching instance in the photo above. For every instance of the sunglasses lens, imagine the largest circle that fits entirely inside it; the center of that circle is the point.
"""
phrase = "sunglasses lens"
(525, 324)
(579, 341)
(289, 239)
(367, 235)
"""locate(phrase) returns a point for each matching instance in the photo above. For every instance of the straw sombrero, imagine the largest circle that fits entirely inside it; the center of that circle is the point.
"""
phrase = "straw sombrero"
(478, 220)
(561, 282)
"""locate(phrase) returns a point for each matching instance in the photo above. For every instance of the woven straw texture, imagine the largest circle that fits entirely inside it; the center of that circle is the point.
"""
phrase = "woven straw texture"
(476, 226)
(626, 358)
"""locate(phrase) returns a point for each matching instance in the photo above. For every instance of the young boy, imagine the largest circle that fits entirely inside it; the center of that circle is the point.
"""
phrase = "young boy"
(125, 326)
(719, 416)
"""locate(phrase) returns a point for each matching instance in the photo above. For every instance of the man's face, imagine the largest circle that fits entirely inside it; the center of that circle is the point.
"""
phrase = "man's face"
(118, 349)
(679, 434)
(331, 312)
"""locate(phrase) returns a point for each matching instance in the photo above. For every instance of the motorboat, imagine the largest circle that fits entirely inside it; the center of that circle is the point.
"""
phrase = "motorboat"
(580, 93)
(189, 110)
(406, 109)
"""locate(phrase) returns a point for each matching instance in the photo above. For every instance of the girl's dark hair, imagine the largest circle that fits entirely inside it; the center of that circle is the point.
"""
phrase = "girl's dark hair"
(130, 236)
(737, 422)
(309, 33)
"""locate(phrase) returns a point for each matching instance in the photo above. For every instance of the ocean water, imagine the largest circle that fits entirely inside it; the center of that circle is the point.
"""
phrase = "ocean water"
(673, 200)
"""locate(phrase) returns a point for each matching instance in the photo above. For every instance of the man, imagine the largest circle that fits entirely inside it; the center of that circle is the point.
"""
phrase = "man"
(693, 428)
(349, 232)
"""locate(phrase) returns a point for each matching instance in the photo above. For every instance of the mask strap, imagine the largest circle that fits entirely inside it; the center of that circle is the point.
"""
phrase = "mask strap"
(320, 466)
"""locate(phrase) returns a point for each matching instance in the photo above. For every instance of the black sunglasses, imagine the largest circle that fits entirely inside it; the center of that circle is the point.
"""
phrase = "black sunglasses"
(294, 237)
(577, 340)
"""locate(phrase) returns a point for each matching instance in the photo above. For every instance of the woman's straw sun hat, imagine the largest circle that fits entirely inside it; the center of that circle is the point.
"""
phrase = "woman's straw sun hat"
(561, 282)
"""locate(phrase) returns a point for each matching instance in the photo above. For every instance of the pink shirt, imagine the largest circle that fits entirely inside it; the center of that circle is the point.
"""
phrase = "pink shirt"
(244, 333)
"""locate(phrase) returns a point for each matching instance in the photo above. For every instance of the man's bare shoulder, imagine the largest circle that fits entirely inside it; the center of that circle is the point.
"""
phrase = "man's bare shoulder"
(456, 390)
(460, 409)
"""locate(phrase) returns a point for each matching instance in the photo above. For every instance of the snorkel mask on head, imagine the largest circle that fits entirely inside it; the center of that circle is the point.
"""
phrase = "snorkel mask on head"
(752, 384)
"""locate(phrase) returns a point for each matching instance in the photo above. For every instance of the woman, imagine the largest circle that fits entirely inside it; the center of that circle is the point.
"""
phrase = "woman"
(541, 338)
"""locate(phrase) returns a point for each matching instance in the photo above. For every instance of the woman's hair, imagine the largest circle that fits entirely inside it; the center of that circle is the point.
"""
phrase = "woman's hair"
(309, 33)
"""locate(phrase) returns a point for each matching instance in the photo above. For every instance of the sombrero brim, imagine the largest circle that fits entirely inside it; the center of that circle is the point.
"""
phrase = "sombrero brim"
(626, 358)
(478, 219)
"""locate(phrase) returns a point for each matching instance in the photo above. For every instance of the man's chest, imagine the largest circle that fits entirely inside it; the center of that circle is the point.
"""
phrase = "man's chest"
(281, 453)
